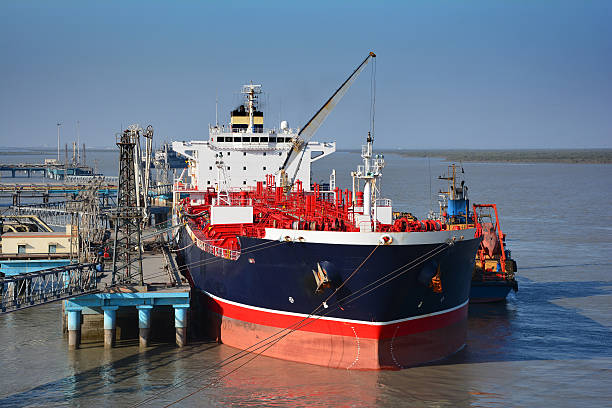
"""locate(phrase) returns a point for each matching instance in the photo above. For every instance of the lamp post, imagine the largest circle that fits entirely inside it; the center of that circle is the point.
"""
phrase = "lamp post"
(58, 141)
(78, 144)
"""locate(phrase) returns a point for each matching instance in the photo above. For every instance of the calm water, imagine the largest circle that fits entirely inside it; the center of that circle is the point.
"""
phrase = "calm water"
(549, 345)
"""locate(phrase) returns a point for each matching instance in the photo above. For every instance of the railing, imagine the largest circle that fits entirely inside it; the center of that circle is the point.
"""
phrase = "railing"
(211, 249)
(35, 288)
(86, 179)
(232, 201)
(383, 202)
(227, 130)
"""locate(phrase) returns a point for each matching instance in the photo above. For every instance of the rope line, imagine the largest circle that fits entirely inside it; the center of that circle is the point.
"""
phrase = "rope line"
(275, 341)
(252, 348)
(276, 337)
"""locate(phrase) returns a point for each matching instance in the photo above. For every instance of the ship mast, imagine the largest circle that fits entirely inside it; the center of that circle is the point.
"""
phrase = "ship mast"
(251, 91)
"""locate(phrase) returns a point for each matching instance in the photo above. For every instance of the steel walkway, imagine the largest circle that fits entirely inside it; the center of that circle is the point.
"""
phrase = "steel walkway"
(49, 285)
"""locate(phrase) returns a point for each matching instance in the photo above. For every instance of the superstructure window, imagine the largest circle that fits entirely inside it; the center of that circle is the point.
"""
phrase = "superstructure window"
(21, 249)
(244, 182)
(207, 181)
(228, 153)
(220, 139)
(52, 248)
(264, 167)
(244, 168)
(264, 153)
(244, 153)
(209, 167)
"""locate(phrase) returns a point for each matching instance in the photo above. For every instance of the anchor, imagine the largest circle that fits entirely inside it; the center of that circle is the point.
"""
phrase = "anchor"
(321, 278)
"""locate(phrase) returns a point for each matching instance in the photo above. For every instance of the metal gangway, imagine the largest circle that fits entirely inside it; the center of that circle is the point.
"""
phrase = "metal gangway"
(49, 285)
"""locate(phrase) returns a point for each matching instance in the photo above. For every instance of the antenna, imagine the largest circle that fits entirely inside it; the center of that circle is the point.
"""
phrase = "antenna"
(217, 108)
(430, 197)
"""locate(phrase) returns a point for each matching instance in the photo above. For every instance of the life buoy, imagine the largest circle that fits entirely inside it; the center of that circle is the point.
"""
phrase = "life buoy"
(386, 239)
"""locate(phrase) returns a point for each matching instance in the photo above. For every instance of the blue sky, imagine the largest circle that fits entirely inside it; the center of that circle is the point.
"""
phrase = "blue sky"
(450, 74)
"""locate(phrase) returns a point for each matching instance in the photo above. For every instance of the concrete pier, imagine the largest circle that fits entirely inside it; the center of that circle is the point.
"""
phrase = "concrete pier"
(144, 324)
(110, 320)
(180, 324)
(117, 309)
(74, 328)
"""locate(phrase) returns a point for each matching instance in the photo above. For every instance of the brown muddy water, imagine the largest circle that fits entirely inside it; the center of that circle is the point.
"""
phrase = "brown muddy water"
(548, 345)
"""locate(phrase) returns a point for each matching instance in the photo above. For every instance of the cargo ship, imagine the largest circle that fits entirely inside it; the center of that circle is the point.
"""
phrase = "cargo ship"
(494, 270)
(293, 270)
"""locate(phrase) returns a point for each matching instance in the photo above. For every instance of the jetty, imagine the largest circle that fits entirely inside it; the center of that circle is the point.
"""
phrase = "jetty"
(53, 170)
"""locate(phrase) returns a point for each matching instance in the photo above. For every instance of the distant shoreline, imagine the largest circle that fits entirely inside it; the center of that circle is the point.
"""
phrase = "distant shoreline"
(570, 156)
(52, 153)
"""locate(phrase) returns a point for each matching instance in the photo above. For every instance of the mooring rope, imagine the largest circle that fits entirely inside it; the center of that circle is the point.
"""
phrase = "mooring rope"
(271, 340)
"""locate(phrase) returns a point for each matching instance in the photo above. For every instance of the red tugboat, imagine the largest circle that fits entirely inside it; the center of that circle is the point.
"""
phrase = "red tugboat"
(313, 273)
(494, 271)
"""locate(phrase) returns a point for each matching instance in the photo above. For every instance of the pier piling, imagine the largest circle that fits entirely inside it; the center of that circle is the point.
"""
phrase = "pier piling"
(114, 309)
(110, 320)
(144, 324)
(74, 328)
(180, 323)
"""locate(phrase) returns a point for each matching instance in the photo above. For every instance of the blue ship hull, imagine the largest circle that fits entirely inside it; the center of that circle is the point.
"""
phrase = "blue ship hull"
(271, 285)
(493, 291)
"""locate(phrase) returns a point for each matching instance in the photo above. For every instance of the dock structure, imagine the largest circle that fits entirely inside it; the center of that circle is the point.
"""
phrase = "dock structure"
(30, 289)
(116, 312)
(57, 171)
(144, 302)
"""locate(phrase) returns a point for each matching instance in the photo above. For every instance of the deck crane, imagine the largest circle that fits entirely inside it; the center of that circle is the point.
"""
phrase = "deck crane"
(307, 132)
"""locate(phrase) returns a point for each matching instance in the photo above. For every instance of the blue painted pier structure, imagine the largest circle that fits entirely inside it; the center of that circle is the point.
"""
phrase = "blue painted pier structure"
(144, 302)
(56, 171)
(16, 267)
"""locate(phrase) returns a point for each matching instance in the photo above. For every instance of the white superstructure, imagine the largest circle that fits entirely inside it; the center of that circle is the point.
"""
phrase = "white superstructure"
(248, 150)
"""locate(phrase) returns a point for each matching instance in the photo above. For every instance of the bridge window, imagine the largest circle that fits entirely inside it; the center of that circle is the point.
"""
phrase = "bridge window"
(21, 249)
(264, 153)
(52, 248)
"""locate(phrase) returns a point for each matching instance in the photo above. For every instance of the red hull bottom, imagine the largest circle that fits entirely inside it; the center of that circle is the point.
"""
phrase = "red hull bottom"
(350, 345)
